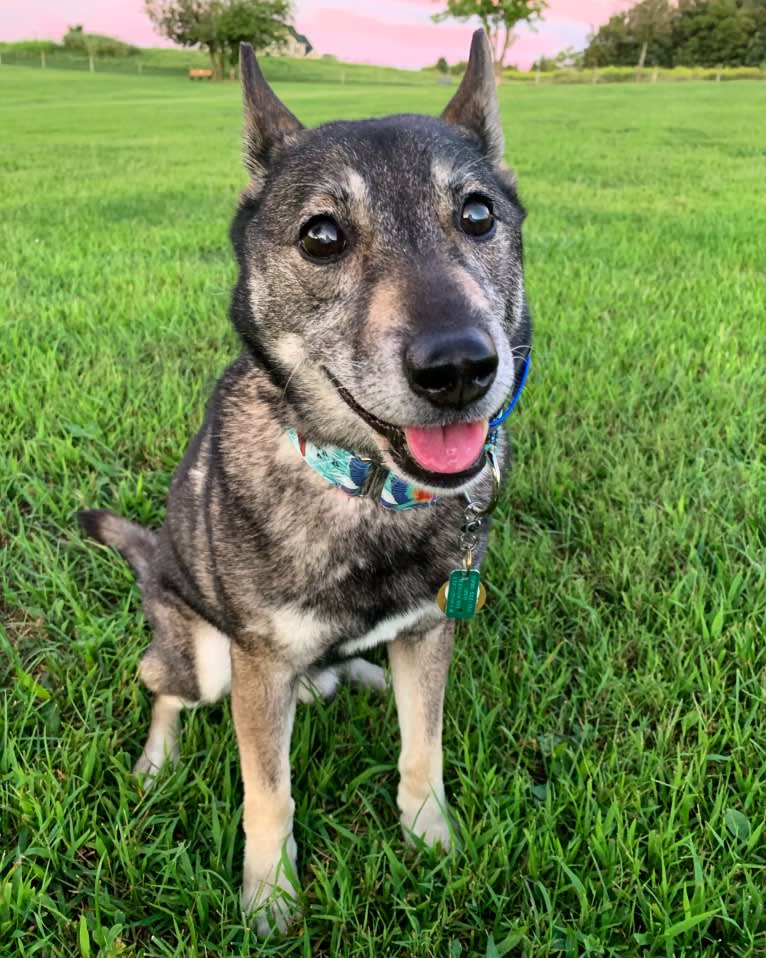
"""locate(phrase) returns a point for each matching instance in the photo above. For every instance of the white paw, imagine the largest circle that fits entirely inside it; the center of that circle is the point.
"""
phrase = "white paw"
(323, 684)
(150, 763)
(269, 891)
(318, 685)
(362, 672)
(429, 822)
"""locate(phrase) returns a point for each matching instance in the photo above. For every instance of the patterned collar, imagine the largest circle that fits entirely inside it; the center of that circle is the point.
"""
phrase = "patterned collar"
(358, 476)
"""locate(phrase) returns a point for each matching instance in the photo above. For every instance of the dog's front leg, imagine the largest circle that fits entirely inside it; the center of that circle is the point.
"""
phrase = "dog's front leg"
(263, 694)
(419, 665)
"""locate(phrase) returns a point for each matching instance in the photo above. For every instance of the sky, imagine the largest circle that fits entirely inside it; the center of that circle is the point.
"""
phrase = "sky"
(392, 32)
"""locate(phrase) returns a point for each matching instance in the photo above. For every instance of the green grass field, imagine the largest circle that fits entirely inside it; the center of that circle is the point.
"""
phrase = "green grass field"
(605, 729)
(174, 62)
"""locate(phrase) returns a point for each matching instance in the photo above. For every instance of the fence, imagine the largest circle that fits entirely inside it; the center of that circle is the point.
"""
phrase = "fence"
(127, 66)
(177, 63)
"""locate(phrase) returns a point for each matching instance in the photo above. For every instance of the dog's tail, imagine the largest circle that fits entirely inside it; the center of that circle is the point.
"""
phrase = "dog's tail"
(132, 541)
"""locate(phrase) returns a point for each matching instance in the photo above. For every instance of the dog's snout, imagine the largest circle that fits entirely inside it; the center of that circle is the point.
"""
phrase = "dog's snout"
(451, 368)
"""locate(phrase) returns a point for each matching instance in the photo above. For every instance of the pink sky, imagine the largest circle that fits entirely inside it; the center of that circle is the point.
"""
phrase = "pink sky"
(394, 32)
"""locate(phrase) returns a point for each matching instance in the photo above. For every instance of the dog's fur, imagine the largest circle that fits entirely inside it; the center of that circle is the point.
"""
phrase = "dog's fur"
(264, 576)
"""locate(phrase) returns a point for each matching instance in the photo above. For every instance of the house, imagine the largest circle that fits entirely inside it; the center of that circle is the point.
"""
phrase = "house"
(295, 45)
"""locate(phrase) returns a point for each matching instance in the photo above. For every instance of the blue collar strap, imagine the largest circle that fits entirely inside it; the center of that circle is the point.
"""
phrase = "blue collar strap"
(506, 411)
(357, 476)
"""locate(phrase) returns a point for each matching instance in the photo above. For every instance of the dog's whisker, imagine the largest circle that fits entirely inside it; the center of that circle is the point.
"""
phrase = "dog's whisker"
(296, 367)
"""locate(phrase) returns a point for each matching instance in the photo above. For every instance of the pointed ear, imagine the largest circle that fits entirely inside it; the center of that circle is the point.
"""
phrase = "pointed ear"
(268, 122)
(474, 105)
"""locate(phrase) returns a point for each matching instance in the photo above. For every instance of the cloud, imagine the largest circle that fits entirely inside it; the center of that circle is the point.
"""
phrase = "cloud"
(401, 32)
(367, 39)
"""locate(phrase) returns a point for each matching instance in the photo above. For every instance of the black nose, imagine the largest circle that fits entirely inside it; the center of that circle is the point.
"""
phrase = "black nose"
(451, 368)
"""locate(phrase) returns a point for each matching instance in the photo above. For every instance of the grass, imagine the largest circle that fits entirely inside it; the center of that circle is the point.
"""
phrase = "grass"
(605, 725)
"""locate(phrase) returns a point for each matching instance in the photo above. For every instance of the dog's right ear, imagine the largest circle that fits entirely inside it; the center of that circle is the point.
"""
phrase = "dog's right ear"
(269, 125)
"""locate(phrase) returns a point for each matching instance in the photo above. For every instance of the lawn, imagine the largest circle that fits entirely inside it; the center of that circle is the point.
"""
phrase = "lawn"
(605, 722)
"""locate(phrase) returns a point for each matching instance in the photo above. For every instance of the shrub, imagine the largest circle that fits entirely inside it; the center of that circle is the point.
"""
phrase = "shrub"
(96, 44)
(615, 74)
(24, 48)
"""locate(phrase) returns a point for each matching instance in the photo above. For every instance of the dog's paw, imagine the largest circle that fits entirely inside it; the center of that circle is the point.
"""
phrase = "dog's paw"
(361, 672)
(151, 763)
(270, 891)
(318, 685)
(429, 823)
(323, 684)
(272, 906)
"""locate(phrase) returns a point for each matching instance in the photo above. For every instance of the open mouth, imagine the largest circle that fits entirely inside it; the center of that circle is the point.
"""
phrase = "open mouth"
(447, 455)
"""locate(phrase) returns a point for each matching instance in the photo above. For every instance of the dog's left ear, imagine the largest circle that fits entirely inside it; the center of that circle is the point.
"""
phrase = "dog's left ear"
(268, 122)
(474, 105)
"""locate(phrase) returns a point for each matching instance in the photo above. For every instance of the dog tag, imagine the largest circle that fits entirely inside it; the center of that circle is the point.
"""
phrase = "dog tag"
(462, 595)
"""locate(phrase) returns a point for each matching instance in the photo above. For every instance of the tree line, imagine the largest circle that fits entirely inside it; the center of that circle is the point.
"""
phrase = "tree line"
(658, 33)
(695, 33)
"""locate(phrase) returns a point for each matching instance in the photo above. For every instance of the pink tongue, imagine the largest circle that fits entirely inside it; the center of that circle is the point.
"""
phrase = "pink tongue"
(446, 449)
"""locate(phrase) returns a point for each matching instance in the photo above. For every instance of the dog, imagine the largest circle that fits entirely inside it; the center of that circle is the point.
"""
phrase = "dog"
(381, 307)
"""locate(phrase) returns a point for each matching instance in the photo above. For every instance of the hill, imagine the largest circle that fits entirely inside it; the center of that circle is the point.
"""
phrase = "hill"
(169, 61)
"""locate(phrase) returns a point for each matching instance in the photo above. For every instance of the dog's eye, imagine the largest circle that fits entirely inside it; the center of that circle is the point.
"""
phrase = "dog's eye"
(476, 218)
(322, 238)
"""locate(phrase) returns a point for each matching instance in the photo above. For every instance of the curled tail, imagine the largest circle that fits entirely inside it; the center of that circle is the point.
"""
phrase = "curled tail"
(132, 541)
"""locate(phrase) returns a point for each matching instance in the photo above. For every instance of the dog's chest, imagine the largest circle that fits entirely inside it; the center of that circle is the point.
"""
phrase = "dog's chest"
(307, 638)
(273, 552)
(366, 576)
(338, 576)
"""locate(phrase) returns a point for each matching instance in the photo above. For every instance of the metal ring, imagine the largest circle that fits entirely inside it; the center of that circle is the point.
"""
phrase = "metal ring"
(474, 508)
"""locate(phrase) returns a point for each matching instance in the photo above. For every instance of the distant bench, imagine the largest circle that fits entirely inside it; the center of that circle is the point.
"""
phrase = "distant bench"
(197, 74)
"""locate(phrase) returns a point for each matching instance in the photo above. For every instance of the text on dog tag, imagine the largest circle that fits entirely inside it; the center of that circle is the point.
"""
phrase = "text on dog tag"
(462, 595)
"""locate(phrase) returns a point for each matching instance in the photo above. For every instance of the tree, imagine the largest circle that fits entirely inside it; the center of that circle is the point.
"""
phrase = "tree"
(442, 66)
(498, 17)
(620, 42)
(704, 33)
(260, 23)
(648, 21)
(220, 25)
(610, 44)
(712, 32)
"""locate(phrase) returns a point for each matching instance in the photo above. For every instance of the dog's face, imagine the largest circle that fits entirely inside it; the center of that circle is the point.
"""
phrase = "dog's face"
(381, 276)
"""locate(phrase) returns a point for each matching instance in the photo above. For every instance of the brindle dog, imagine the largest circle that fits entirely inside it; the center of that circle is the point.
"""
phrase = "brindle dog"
(381, 308)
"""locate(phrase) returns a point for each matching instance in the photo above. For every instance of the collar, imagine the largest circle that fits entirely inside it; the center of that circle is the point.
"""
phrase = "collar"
(358, 476)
